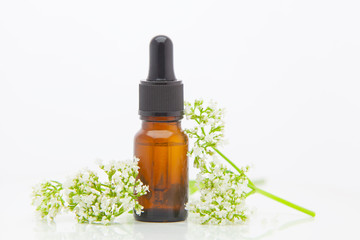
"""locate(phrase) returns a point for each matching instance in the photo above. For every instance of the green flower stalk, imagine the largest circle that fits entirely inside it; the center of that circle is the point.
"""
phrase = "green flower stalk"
(224, 192)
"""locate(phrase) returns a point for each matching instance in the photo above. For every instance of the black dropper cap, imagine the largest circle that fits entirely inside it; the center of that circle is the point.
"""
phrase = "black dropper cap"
(161, 94)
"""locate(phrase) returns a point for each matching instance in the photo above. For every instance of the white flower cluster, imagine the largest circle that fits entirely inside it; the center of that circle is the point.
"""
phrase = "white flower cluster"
(222, 192)
(47, 199)
(96, 201)
(209, 130)
(93, 201)
(222, 199)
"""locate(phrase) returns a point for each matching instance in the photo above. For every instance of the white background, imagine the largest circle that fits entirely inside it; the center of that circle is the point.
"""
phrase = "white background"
(287, 73)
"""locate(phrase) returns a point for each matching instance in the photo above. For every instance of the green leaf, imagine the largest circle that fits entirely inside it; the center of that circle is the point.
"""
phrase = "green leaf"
(192, 186)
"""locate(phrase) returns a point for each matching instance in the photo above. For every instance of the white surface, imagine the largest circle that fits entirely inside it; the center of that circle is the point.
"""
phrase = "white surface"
(337, 218)
(286, 71)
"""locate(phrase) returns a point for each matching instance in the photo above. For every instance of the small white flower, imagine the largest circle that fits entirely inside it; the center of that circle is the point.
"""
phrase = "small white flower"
(131, 180)
(187, 109)
(197, 151)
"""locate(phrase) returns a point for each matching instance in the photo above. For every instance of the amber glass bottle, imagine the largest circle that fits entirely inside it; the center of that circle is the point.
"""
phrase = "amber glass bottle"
(162, 147)
(160, 144)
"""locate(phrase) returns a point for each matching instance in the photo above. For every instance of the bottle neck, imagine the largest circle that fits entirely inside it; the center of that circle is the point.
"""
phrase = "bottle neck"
(169, 123)
(161, 119)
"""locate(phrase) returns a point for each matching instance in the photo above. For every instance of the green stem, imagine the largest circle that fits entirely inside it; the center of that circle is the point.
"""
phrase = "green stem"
(230, 162)
(250, 193)
(263, 192)
(281, 200)
(56, 182)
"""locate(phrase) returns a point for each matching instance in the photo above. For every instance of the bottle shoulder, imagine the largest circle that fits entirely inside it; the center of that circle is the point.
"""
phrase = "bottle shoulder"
(161, 135)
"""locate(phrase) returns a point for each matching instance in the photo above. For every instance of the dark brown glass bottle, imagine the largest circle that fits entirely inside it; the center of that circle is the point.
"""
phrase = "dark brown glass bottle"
(161, 145)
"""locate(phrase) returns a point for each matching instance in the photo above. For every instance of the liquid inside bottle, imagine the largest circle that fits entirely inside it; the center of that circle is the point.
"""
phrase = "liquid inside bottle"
(161, 148)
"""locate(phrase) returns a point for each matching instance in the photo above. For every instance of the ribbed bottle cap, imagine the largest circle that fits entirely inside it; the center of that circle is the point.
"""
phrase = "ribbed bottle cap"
(161, 94)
